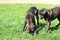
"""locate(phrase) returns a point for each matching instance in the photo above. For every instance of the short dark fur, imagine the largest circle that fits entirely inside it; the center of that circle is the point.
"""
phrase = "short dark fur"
(49, 15)
(30, 23)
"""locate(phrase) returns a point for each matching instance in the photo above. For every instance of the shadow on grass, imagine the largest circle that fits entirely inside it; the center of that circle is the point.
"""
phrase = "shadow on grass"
(40, 27)
(55, 27)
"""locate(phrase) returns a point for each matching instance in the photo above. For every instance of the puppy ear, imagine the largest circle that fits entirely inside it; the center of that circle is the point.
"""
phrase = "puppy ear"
(36, 12)
(47, 14)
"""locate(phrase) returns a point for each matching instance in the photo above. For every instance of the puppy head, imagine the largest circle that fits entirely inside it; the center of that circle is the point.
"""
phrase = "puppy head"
(31, 29)
(43, 12)
(30, 26)
(33, 10)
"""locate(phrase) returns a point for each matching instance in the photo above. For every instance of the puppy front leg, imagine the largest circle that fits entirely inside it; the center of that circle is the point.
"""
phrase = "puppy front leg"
(24, 28)
(48, 25)
(37, 17)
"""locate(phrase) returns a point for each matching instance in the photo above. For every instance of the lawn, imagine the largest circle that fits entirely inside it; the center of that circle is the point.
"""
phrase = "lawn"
(12, 18)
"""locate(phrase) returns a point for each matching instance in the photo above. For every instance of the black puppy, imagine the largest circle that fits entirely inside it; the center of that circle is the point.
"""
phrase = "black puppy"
(30, 23)
(50, 15)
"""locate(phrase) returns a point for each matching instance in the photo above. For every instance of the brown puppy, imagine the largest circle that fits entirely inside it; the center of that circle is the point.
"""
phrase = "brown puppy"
(30, 20)
(50, 15)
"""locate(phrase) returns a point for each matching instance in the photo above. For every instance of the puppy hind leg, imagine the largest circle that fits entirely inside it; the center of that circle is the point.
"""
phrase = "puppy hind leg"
(58, 23)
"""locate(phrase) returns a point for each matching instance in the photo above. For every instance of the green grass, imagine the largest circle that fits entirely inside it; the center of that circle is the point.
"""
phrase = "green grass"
(12, 18)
